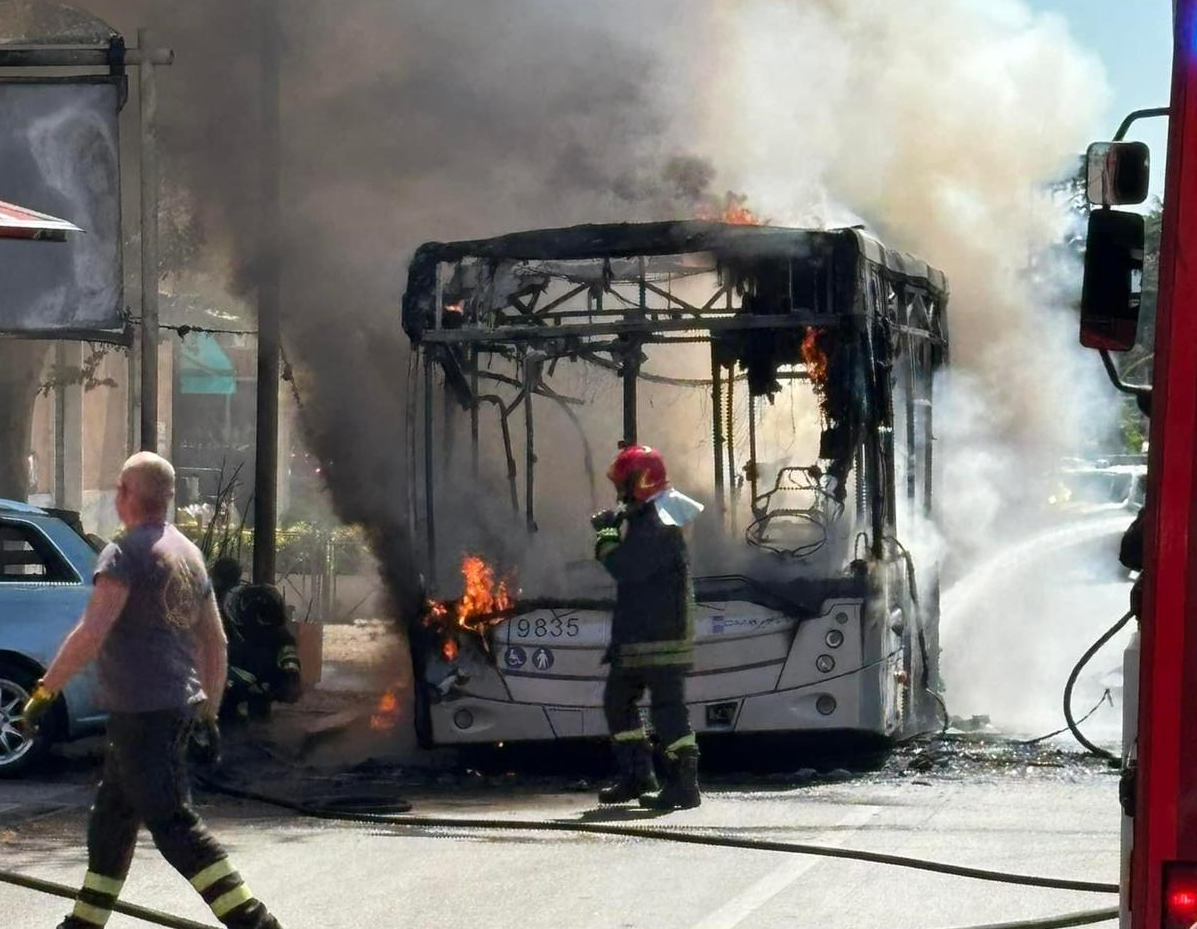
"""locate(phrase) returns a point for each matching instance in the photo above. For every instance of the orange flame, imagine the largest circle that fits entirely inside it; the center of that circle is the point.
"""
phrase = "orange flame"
(732, 211)
(475, 610)
(814, 357)
(386, 714)
(817, 365)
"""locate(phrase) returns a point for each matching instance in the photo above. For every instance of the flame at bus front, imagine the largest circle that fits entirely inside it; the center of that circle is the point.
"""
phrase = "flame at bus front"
(484, 602)
(482, 596)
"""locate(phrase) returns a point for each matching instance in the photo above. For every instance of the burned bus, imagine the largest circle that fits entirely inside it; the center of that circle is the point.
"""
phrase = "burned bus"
(788, 376)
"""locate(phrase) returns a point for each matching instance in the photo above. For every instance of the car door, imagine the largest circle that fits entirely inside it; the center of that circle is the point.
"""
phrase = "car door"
(42, 596)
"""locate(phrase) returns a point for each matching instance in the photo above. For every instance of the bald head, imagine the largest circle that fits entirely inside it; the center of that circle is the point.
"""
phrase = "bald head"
(147, 484)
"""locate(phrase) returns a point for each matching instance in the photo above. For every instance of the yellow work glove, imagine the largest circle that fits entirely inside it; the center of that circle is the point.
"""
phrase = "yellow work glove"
(37, 706)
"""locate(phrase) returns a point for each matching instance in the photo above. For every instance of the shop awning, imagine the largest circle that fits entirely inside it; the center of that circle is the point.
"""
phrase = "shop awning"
(204, 368)
(17, 222)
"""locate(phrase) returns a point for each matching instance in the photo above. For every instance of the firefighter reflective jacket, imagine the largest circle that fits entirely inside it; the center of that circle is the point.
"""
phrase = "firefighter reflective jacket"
(653, 621)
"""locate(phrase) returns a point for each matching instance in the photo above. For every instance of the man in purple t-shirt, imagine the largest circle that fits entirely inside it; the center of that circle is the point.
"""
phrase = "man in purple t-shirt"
(154, 631)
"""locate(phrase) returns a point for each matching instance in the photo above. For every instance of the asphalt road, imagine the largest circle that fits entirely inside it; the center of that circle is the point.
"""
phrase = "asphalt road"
(1034, 814)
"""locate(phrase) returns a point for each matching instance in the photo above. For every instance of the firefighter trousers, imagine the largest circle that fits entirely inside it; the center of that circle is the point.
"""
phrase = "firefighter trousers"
(145, 782)
(666, 685)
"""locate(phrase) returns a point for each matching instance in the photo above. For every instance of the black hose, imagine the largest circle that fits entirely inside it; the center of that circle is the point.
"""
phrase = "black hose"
(128, 909)
(925, 683)
(943, 707)
(177, 922)
(639, 832)
(1072, 678)
(443, 822)
(1104, 698)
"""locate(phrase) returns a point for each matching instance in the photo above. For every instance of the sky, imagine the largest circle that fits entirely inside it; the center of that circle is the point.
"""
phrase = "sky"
(1133, 39)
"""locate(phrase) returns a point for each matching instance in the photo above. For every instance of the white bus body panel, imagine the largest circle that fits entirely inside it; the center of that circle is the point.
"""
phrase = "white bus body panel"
(754, 671)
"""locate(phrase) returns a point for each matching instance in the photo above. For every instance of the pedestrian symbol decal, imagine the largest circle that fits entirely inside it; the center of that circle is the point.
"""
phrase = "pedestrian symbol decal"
(543, 659)
(515, 657)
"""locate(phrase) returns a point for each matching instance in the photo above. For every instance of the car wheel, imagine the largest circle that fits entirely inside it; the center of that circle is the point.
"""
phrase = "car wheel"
(18, 750)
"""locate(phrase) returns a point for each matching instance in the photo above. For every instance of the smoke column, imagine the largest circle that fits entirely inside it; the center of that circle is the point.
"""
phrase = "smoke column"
(936, 123)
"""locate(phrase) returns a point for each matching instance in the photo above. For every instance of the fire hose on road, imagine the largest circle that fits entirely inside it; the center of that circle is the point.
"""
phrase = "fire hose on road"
(1080, 918)
(641, 832)
(157, 917)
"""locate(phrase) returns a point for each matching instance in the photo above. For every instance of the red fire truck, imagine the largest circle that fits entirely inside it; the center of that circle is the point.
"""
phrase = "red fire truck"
(1160, 795)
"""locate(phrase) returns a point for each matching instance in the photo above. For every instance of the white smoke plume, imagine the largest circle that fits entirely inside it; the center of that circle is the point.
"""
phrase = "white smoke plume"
(939, 125)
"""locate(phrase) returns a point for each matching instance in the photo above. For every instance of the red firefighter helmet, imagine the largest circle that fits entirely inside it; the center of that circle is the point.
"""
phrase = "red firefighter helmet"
(638, 472)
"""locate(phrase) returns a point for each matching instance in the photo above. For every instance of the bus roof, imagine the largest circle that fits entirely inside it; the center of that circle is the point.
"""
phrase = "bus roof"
(624, 240)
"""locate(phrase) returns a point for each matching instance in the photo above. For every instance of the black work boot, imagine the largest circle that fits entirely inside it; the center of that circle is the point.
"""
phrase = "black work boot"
(633, 772)
(681, 783)
(253, 916)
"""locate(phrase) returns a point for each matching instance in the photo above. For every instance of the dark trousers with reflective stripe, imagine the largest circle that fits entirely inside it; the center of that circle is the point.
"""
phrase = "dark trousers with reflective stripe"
(666, 685)
(145, 782)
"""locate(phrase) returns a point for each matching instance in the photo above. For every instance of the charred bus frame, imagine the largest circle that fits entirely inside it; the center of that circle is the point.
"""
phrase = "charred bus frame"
(877, 318)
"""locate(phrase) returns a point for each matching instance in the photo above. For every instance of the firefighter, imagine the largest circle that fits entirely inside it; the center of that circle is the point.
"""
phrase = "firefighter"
(263, 659)
(154, 630)
(652, 631)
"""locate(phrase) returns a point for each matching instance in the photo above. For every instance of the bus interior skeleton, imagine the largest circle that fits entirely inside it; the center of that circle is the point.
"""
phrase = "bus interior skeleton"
(800, 366)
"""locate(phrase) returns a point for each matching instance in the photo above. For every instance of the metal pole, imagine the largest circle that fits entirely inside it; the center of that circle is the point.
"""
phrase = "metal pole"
(752, 447)
(133, 403)
(631, 365)
(730, 438)
(928, 446)
(531, 361)
(729, 429)
(631, 369)
(717, 429)
(149, 249)
(266, 451)
(474, 412)
(60, 433)
(911, 442)
(429, 487)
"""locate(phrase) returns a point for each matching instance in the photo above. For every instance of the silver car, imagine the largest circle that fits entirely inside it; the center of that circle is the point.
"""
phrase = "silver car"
(46, 565)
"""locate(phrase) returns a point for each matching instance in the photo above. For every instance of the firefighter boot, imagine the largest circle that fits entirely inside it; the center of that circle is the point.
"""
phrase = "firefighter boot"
(634, 772)
(681, 783)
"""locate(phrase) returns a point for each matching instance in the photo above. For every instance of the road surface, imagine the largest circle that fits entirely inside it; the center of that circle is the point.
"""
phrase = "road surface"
(1031, 811)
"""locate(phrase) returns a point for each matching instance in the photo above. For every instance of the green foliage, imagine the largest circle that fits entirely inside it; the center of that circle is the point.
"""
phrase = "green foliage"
(1151, 275)
(308, 548)
(1132, 426)
(300, 547)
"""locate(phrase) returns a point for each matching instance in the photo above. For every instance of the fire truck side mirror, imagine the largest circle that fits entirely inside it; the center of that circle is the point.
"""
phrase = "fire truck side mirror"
(1109, 300)
(1117, 173)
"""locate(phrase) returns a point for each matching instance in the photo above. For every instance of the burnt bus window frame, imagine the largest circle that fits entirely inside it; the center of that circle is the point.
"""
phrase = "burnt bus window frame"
(450, 328)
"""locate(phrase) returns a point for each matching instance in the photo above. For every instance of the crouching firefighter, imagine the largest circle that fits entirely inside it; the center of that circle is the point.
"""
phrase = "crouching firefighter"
(263, 658)
(652, 631)
(153, 628)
